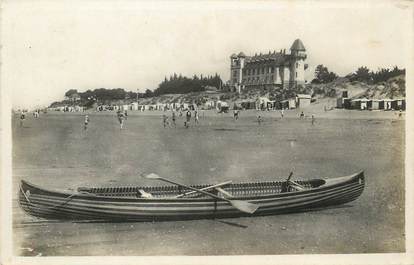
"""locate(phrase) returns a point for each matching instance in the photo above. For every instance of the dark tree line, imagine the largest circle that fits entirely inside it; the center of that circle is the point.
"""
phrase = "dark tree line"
(363, 74)
(177, 84)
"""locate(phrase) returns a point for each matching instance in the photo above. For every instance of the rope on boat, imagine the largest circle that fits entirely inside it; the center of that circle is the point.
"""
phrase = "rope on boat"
(24, 194)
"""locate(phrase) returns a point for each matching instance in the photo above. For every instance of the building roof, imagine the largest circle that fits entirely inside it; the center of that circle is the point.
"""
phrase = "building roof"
(274, 57)
(233, 55)
(297, 46)
(304, 96)
(241, 54)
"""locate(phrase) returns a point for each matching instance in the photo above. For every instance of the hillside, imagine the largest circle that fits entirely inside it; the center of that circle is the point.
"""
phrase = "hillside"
(392, 88)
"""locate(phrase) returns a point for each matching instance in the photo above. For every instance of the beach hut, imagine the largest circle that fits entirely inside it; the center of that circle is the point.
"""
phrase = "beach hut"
(347, 103)
(303, 100)
(288, 104)
(134, 106)
(385, 104)
(373, 104)
(359, 104)
(397, 104)
(339, 103)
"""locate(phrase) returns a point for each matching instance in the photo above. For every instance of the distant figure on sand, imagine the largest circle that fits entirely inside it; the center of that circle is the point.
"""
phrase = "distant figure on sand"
(282, 113)
(313, 119)
(173, 118)
(188, 118)
(302, 115)
(235, 114)
(196, 117)
(22, 118)
(165, 120)
(121, 119)
(85, 127)
(259, 119)
(126, 114)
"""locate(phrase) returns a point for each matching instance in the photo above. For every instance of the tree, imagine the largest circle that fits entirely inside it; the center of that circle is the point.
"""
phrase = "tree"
(70, 92)
(322, 75)
(363, 74)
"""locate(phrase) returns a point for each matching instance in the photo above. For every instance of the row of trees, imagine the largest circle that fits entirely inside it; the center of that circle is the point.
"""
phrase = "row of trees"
(177, 84)
(363, 74)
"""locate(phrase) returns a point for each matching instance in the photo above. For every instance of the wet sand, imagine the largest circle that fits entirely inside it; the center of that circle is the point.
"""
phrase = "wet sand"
(55, 152)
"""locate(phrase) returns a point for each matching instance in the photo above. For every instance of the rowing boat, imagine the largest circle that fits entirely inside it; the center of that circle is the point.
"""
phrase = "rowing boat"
(180, 202)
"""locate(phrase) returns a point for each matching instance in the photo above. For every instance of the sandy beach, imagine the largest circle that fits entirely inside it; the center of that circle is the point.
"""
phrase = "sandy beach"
(54, 151)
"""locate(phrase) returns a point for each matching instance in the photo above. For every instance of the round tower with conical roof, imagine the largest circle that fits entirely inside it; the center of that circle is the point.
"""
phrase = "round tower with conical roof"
(297, 64)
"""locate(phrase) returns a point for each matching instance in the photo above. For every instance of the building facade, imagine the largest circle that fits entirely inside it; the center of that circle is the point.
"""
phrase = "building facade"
(275, 69)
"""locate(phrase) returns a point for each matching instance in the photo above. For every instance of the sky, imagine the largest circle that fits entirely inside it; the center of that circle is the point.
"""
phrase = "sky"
(49, 48)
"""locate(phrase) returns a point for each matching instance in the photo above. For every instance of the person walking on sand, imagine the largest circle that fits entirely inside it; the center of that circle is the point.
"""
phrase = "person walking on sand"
(85, 127)
(173, 118)
(302, 115)
(165, 120)
(313, 119)
(121, 119)
(282, 113)
(126, 114)
(22, 118)
(188, 119)
(196, 117)
(235, 114)
(259, 119)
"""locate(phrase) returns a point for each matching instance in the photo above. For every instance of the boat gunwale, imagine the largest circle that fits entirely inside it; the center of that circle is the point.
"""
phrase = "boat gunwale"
(259, 197)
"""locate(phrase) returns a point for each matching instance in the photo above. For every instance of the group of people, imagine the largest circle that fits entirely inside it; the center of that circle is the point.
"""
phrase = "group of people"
(122, 116)
(187, 121)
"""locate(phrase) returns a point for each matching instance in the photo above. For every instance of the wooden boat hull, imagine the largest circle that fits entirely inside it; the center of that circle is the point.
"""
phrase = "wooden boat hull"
(118, 207)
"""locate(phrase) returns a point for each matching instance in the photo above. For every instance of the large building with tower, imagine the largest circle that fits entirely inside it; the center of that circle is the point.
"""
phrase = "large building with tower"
(271, 70)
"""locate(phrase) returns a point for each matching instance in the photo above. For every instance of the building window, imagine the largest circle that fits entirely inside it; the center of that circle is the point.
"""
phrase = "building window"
(272, 70)
(296, 74)
(297, 65)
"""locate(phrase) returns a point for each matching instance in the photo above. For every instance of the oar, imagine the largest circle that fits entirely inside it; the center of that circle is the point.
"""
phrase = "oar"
(240, 205)
(205, 188)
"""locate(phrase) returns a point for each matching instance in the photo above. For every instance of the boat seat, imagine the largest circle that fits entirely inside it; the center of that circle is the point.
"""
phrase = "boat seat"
(225, 193)
(296, 186)
(144, 194)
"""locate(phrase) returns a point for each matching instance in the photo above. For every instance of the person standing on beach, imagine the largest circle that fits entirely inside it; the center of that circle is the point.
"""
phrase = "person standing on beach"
(196, 117)
(165, 120)
(188, 119)
(85, 127)
(120, 119)
(173, 118)
(259, 119)
(126, 114)
(22, 118)
(235, 114)
(302, 115)
(313, 119)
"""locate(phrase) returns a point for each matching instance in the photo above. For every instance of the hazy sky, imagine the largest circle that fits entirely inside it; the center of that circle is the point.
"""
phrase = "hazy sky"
(49, 48)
